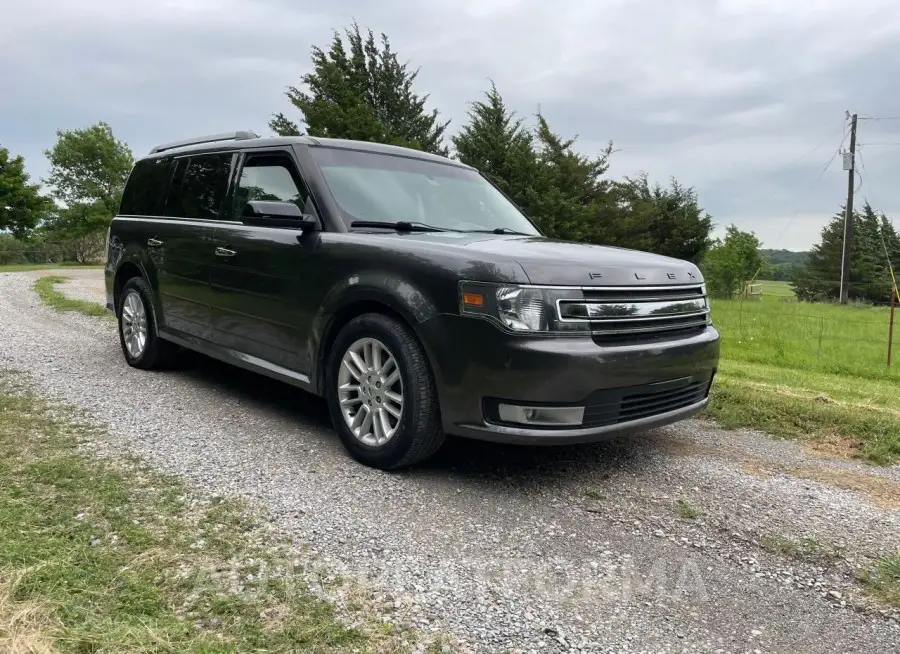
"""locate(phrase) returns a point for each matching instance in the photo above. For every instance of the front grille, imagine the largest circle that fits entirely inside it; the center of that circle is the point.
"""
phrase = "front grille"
(615, 406)
(633, 314)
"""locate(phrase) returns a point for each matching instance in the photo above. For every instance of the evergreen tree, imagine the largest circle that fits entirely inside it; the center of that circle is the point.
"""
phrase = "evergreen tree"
(869, 277)
(495, 142)
(571, 196)
(666, 221)
(363, 93)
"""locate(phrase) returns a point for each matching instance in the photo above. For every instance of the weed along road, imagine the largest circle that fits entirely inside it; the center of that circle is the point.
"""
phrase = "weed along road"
(685, 539)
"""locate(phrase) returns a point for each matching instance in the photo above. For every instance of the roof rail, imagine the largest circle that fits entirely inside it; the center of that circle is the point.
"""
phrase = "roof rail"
(212, 138)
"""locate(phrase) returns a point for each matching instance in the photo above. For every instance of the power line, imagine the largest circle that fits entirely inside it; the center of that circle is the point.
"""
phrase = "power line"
(811, 189)
(879, 118)
(884, 143)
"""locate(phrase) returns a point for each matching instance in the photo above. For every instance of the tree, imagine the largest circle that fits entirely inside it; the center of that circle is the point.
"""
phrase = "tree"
(572, 197)
(21, 204)
(731, 263)
(77, 232)
(365, 94)
(497, 143)
(869, 275)
(88, 166)
(666, 221)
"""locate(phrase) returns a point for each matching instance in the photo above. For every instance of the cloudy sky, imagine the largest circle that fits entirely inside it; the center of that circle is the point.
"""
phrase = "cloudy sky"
(742, 99)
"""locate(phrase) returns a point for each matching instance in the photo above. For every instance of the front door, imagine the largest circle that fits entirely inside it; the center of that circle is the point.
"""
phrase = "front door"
(261, 276)
(182, 246)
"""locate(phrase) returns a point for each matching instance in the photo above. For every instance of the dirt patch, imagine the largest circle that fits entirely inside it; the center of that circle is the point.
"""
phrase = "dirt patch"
(882, 491)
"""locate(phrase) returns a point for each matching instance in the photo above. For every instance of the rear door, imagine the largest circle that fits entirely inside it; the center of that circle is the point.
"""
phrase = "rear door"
(262, 277)
(182, 246)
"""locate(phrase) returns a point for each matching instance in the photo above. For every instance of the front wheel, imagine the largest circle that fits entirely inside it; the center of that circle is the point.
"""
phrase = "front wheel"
(381, 394)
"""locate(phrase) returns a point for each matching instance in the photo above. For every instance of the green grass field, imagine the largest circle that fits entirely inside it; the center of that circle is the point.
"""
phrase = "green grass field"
(846, 340)
(26, 267)
(809, 371)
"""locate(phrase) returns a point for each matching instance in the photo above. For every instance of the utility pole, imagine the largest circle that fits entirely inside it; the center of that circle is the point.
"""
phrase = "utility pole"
(848, 217)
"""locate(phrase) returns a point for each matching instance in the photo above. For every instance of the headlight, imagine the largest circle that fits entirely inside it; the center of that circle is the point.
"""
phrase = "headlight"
(520, 308)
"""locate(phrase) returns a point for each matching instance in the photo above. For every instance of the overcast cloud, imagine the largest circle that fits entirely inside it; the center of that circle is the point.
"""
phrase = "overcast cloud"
(742, 99)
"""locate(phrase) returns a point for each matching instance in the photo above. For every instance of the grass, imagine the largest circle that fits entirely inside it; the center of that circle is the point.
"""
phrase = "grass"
(686, 511)
(26, 267)
(884, 581)
(45, 287)
(594, 493)
(815, 372)
(109, 556)
(845, 340)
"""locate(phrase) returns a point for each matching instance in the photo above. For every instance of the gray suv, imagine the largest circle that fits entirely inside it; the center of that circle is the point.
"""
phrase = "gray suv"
(405, 289)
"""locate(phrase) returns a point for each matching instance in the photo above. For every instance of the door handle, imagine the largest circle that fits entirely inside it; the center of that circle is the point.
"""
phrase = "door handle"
(154, 243)
(225, 252)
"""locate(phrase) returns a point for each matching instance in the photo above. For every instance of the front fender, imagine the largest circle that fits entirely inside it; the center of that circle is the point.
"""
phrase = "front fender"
(396, 293)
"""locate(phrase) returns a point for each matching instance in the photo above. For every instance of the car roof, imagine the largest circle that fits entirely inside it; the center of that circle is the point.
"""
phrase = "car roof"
(247, 140)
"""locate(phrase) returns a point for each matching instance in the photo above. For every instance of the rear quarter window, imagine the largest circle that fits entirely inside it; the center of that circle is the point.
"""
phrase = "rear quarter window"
(199, 186)
(145, 191)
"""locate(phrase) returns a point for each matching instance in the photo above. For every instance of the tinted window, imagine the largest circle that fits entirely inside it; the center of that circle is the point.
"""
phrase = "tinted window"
(145, 191)
(268, 177)
(199, 186)
(385, 188)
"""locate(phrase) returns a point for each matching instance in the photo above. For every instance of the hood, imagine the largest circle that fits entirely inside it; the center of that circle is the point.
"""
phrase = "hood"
(563, 263)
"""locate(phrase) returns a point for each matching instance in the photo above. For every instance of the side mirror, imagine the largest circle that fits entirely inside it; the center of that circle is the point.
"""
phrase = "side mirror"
(267, 213)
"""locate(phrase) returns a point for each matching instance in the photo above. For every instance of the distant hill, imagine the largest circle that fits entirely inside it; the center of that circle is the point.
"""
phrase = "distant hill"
(776, 257)
(780, 264)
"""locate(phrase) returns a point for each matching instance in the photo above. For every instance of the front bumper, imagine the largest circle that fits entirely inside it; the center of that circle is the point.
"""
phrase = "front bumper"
(624, 388)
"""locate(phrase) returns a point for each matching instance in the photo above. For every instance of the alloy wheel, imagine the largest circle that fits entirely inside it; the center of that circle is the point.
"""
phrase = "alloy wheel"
(370, 391)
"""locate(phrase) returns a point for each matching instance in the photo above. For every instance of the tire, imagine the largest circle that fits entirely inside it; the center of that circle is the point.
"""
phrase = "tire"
(417, 431)
(154, 353)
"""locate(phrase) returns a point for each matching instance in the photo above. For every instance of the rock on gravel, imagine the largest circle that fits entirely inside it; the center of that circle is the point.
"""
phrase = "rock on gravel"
(510, 549)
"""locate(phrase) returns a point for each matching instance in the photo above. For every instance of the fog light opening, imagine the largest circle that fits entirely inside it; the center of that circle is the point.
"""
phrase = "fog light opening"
(546, 416)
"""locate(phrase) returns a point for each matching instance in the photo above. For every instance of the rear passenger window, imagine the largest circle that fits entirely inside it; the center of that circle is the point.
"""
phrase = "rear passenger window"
(199, 186)
(145, 191)
(268, 177)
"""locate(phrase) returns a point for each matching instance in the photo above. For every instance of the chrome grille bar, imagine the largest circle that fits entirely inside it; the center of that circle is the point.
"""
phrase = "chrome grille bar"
(641, 311)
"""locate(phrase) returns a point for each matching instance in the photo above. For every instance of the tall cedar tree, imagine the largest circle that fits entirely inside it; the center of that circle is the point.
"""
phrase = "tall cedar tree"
(869, 278)
(565, 192)
(21, 204)
(364, 94)
(495, 142)
(572, 196)
(666, 221)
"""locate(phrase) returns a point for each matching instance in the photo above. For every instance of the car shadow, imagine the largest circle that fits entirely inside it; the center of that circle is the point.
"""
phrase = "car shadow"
(459, 459)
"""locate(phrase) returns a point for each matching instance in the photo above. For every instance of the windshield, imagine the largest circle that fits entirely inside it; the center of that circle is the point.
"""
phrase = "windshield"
(385, 188)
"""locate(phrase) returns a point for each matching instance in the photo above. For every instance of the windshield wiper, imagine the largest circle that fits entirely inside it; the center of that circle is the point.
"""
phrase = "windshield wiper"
(400, 226)
(498, 230)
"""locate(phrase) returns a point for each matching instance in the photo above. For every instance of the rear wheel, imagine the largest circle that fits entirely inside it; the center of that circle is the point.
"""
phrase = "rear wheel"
(381, 394)
(137, 328)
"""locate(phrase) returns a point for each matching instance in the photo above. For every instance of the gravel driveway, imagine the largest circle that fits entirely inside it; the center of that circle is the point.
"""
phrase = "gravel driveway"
(589, 548)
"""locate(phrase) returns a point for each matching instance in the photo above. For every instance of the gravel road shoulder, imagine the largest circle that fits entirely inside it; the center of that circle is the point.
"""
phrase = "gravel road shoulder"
(685, 539)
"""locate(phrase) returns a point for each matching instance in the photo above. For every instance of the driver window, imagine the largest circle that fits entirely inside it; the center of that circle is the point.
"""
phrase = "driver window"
(268, 177)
